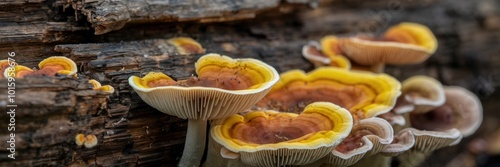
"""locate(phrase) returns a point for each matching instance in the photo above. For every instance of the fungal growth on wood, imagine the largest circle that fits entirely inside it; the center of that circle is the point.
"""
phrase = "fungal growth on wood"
(224, 87)
(270, 138)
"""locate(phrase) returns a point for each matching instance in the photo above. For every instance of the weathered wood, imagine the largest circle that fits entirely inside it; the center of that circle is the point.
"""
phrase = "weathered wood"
(132, 133)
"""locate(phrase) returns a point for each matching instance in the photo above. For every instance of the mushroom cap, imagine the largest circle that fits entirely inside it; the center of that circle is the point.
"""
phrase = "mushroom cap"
(97, 86)
(426, 142)
(364, 94)
(423, 92)
(4, 64)
(90, 141)
(186, 45)
(312, 52)
(462, 110)
(68, 65)
(207, 102)
(80, 139)
(413, 33)
(370, 52)
(20, 71)
(402, 142)
(368, 137)
(393, 118)
(270, 138)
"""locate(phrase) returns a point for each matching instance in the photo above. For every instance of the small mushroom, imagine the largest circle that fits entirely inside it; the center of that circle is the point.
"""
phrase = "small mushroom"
(328, 54)
(224, 86)
(462, 110)
(79, 139)
(186, 45)
(4, 64)
(393, 118)
(97, 86)
(364, 94)
(52, 66)
(57, 65)
(90, 141)
(270, 138)
(368, 137)
(19, 71)
(422, 93)
(403, 141)
(406, 43)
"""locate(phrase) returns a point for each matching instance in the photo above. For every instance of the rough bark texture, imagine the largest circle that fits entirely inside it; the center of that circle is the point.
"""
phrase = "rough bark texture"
(51, 112)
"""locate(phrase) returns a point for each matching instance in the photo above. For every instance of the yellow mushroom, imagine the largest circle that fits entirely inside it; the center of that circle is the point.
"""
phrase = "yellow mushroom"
(406, 43)
(57, 65)
(364, 94)
(97, 86)
(186, 45)
(223, 87)
(328, 54)
(17, 71)
(79, 139)
(270, 138)
(90, 141)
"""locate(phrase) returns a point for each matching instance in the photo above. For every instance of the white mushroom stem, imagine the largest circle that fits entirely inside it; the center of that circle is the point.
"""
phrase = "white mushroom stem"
(195, 143)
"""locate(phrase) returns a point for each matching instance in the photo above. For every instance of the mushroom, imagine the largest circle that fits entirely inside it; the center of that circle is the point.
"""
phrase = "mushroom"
(97, 86)
(367, 138)
(186, 45)
(405, 43)
(4, 64)
(90, 141)
(425, 143)
(421, 93)
(462, 110)
(19, 71)
(79, 139)
(48, 67)
(364, 94)
(270, 138)
(327, 54)
(224, 86)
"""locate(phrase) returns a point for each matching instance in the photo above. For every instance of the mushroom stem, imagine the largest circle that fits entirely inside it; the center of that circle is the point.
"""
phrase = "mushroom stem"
(195, 143)
(378, 68)
(376, 160)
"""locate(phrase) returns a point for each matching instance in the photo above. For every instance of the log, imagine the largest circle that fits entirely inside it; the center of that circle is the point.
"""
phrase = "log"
(51, 112)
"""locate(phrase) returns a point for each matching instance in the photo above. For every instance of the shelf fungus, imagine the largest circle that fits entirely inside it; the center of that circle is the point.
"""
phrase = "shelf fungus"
(97, 86)
(224, 86)
(425, 143)
(270, 138)
(461, 110)
(326, 54)
(364, 94)
(185, 45)
(420, 94)
(405, 43)
(52, 66)
(4, 64)
(88, 141)
(367, 138)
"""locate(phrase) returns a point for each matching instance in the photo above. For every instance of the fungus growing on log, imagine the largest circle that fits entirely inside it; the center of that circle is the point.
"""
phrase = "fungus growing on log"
(270, 138)
(223, 87)
(186, 45)
(364, 94)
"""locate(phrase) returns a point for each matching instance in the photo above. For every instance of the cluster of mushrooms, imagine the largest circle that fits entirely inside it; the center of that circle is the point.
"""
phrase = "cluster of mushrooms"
(335, 115)
(53, 66)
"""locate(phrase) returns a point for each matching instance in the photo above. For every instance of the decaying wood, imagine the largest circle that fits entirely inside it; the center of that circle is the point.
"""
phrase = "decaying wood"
(108, 15)
(52, 111)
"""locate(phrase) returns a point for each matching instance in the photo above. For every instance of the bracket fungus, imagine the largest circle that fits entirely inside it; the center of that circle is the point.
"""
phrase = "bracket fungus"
(224, 86)
(270, 138)
(368, 137)
(4, 64)
(97, 86)
(420, 94)
(52, 66)
(462, 110)
(364, 94)
(186, 45)
(328, 54)
(405, 43)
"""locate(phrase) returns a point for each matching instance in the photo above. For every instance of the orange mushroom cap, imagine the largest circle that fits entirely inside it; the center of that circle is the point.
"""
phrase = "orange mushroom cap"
(58, 65)
(19, 71)
(364, 94)
(417, 43)
(270, 138)
(186, 45)
(224, 86)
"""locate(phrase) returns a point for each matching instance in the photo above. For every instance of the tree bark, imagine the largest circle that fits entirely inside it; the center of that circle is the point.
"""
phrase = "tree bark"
(51, 112)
